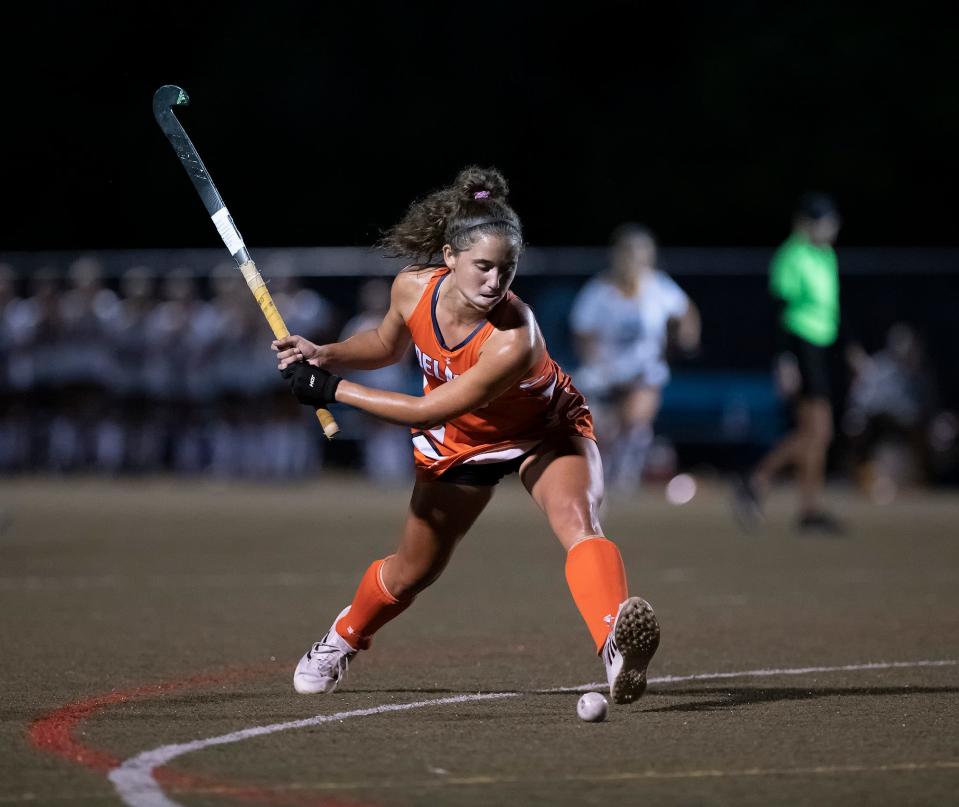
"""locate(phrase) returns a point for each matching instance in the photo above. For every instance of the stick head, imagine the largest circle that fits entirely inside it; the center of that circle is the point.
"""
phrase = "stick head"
(169, 95)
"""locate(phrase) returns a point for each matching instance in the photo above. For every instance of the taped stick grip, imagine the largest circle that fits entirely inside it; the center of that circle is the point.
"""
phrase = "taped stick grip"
(265, 300)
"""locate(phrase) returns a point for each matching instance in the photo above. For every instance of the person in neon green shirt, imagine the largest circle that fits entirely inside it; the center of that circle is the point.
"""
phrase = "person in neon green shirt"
(804, 283)
(804, 277)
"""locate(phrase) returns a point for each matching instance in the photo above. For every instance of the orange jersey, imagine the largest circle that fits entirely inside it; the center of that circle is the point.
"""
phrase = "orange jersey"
(545, 403)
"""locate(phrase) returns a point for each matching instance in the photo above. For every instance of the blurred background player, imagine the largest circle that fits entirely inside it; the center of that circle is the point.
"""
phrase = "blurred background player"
(804, 284)
(891, 407)
(621, 320)
(494, 403)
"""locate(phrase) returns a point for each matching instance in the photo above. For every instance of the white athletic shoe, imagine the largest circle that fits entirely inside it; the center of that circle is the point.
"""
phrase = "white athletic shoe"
(629, 649)
(325, 664)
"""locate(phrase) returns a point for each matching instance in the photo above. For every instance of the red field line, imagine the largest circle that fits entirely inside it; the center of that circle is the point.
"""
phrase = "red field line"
(55, 733)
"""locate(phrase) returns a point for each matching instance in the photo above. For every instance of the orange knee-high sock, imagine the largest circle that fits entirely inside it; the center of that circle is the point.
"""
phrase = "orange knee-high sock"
(372, 607)
(597, 580)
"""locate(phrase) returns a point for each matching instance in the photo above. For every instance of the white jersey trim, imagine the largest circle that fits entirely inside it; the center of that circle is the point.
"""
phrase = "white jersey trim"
(502, 455)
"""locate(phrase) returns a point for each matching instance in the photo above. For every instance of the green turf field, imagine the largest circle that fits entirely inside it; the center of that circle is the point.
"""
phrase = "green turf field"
(140, 615)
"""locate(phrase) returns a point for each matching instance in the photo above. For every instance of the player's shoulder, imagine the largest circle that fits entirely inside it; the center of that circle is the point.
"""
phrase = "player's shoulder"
(408, 288)
(665, 281)
(795, 245)
(515, 329)
(785, 254)
(592, 297)
(512, 314)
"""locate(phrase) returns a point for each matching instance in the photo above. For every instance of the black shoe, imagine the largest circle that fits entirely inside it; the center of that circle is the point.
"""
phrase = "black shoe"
(747, 506)
(821, 523)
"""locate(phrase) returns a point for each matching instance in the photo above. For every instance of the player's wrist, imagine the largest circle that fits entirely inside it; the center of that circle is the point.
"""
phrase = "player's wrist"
(342, 391)
(330, 357)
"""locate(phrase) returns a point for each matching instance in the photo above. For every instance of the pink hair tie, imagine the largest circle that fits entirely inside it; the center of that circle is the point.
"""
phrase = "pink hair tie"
(481, 195)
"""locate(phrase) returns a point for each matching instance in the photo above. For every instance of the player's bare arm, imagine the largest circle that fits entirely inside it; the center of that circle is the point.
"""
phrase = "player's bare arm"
(506, 359)
(367, 350)
(689, 328)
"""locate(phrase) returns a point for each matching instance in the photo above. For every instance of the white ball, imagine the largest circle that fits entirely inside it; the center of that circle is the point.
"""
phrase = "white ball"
(592, 708)
(681, 489)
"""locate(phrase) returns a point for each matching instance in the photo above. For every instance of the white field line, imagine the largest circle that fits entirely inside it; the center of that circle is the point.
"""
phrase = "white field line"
(675, 679)
(134, 778)
(136, 786)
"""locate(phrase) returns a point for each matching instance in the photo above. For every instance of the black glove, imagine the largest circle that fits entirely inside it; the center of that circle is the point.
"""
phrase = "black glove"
(311, 385)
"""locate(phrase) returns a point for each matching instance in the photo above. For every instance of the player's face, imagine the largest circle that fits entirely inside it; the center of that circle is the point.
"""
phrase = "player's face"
(824, 230)
(634, 256)
(485, 271)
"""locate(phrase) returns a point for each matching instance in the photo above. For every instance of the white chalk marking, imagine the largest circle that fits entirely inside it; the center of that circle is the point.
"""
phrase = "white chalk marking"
(675, 679)
(134, 778)
(136, 786)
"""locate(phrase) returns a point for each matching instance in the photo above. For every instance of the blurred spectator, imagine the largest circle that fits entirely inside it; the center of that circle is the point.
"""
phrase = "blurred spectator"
(305, 311)
(84, 433)
(259, 431)
(92, 380)
(293, 446)
(233, 376)
(621, 321)
(131, 329)
(178, 361)
(142, 435)
(891, 406)
(804, 283)
(36, 372)
(387, 459)
(8, 335)
(39, 323)
(14, 423)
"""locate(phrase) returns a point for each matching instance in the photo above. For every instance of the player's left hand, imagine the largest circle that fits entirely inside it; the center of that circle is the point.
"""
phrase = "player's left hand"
(294, 348)
(312, 386)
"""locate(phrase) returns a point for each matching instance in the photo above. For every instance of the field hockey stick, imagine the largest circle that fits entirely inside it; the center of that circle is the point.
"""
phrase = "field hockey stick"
(167, 97)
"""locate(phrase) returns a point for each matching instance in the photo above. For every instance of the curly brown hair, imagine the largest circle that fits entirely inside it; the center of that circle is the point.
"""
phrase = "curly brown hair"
(473, 205)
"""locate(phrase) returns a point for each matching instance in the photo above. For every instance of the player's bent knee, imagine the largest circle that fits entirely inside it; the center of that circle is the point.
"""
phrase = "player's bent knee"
(574, 521)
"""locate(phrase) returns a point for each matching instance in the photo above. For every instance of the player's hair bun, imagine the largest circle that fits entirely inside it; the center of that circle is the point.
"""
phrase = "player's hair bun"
(473, 205)
(487, 182)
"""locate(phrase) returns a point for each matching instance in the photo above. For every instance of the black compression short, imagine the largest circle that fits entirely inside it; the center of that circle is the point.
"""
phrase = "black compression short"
(813, 363)
(484, 474)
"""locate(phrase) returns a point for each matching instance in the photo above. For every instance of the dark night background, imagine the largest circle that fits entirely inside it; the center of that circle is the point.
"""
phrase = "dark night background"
(320, 121)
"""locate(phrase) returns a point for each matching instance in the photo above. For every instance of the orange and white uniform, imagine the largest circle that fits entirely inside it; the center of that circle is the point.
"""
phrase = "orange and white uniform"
(543, 405)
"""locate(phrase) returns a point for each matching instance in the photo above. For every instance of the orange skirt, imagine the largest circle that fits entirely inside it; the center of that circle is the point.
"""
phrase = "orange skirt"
(435, 451)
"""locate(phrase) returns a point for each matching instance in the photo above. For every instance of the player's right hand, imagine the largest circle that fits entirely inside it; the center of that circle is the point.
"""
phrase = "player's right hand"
(293, 349)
